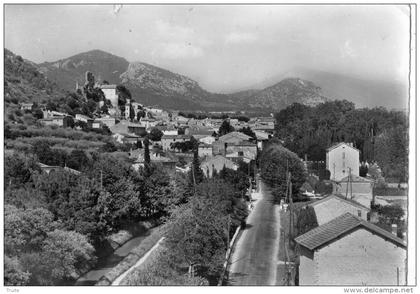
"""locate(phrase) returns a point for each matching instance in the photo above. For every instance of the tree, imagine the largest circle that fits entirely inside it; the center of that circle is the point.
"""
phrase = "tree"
(249, 132)
(196, 235)
(275, 162)
(146, 153)
(77, 159)
(64, 255)
(306, 220)
(391, 153)
(225, 128)
(132, 113)
(14, 275)
(155, 134)
(141, 114)
(18, 168)
(25, 230)
(196, 173)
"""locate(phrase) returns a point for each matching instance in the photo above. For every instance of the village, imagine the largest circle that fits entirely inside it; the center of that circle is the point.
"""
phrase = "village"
(346, 247)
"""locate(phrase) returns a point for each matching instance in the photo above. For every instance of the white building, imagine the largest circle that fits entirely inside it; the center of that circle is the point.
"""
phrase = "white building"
(349, 251)
(110, 92)
(333, 206)
(216, 164)
(342, 159)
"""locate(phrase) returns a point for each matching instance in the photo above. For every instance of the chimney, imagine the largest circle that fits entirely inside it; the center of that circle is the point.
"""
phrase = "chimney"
(394, 229)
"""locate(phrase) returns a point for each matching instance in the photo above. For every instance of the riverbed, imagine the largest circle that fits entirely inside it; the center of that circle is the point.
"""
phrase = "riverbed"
(105, 264)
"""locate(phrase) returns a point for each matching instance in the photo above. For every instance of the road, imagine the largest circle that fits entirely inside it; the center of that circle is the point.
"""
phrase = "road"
(254, 259)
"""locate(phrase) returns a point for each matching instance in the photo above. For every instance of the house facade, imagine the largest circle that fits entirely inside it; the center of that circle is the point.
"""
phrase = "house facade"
(110, 92)
(356, 188)
(167, 140)
(205, 150)
(215, 164)
(348, 251)
(333, 206)
(244, 147)
(342, 159)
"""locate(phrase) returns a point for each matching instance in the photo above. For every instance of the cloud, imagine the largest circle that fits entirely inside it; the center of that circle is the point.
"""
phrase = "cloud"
(179, 50)
(240, 37)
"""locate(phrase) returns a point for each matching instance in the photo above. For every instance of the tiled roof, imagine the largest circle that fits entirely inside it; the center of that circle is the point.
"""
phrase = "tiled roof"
(239, 135)
(108, 86)
(176, 137)
(243, 143)
(352, 202)
(339, 144)
(339, 226)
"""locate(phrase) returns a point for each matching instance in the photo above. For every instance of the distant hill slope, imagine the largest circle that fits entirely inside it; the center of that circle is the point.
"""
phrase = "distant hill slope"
(152, 85)
(363, 92)
(284, 93)
(66, 72)
(23, 82)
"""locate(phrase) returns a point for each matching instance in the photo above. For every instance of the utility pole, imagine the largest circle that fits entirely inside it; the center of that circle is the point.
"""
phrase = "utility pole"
(228, 232)
(351, 187)
(290, 206)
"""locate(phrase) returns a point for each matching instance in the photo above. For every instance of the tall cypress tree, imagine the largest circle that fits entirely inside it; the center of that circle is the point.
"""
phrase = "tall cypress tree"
(196, 174)
(146, 155)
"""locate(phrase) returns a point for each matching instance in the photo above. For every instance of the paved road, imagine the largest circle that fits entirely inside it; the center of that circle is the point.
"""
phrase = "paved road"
(254, 260)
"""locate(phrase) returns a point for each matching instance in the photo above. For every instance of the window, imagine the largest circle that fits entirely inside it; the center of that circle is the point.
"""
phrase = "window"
(359, 213)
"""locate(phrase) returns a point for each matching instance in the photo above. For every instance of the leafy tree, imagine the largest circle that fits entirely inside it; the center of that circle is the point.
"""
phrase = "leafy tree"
(155, 134)
(132, 113)
(391, 152)
(197, 234)
(18, 168)
(64, 255)
(37, 113)
(141, 114)
(249, 132)
(146, 153)
(14, 275)
(275, 162)
(25, 230)
(225, 128)
(306, 220)
(196, 173)
(24, 197)
(77, 159)
(390, 214)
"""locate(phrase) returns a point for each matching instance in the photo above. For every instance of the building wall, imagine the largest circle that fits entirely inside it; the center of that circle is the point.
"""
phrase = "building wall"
(328, 210)
(166, 143)
(250, 150)
(339, 164)
(208, 140)
(217, 165)
(111, 94)
(207, 151)
(360, 258)
(108, 122)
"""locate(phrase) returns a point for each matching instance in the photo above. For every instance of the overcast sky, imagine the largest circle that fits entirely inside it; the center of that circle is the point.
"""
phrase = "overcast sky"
(224, 48)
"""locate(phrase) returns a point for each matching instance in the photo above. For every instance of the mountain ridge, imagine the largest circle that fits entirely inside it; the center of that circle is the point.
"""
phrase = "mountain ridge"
(152, 85)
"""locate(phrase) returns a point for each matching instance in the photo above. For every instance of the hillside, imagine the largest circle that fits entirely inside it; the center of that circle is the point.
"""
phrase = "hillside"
(23, 82)
(363, 92)
(66, 72)
(152, 85)
(284, 93)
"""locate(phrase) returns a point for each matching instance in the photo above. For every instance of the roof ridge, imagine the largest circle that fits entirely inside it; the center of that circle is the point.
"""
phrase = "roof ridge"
(339, 226)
